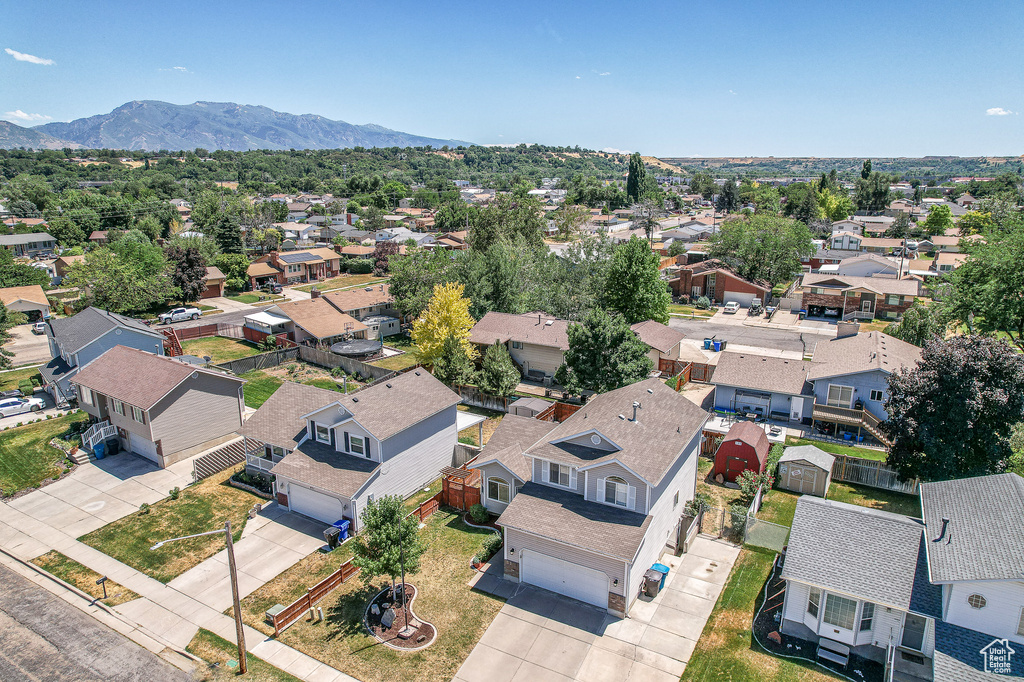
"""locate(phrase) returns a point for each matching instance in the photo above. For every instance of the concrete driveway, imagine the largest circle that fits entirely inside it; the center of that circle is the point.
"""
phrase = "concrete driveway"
(25, 417)
(28, 348)
(539, 636)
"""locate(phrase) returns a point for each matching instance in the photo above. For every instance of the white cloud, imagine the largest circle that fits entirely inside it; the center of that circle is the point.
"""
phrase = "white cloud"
(19, 115)
(181, 68)
(32, 59)
(997, 111)
(578, 77)
(732, 92)
(605, 73)
(613, 150)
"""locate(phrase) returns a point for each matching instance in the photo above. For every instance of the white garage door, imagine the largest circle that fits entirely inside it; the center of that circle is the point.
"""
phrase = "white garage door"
(141, 446)
(563, 577)
(743, 299)
(313, 504)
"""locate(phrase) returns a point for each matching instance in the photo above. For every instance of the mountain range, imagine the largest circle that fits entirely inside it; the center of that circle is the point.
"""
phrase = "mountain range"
(152, 125)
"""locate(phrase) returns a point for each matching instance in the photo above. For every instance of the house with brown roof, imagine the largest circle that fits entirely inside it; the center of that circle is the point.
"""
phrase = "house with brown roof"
(315, 321)
(852, 297)
(62, 265)
(371, 305)
(165, 410)
(331, 453)
(588, 505)
(947, 262)
(30, 300)
(294, 267)
(536, 342)
(663, 341)
(719, 282)
(214, 281)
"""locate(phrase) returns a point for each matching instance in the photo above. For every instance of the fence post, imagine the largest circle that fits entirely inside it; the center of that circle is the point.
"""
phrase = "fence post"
(721, 525)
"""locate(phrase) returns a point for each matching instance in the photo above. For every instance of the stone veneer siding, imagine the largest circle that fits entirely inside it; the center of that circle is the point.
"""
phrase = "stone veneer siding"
(616, 603)
(512, 569)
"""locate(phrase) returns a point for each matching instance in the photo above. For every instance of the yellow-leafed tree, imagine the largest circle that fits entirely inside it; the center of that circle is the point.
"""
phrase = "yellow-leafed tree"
(446, 315)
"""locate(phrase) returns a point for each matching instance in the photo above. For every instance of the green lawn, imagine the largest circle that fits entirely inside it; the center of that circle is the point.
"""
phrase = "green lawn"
(219, 348)
(726, 650)
(689, 311)
(876, 498)
(27, 459)
(837, 449)
(409, 358)
(330, 384)
(250, 297)
(343, 282)
(219, 652)
(9, 380)
(83, 577)
(199, 508)
(259, 386)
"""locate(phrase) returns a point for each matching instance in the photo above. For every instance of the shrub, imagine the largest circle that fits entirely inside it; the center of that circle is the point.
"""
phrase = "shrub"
(268, 344)
(26, 387)
(699, 503)
(360, 266)
(749, 481)
(774, 455)
(703, 303)
(490, 548)
(175, 492)
(479, 514)
(265, 484)
(292, 368)
(337, 372)
(143, 508)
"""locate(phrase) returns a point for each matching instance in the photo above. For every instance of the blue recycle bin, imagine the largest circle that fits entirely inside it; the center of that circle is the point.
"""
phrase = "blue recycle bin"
(342, 525)
(100, 450)
(663, 569)
(707, 344)
(717, 345)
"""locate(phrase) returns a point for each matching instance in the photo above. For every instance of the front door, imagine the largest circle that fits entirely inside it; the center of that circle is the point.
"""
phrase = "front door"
(867, 304)
(913, 632)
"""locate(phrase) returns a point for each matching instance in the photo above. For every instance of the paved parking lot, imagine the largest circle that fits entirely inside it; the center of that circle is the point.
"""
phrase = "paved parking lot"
(28, 348)
(539, 636)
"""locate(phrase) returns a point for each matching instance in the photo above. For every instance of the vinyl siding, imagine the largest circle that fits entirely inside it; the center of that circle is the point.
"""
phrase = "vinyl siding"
(613, 568)
(414, 457)
(584, 440)
(863, 383)
(354, 430)
(538, 477)
(725, 399)
(119, 337)
(496, 471)
(199, 410)
(531, 356)
(999, 618)
(821, 481)
(613, 469)
(124, 422)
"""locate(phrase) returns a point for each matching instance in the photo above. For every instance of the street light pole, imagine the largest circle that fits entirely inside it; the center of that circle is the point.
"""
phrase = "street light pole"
(239, 631)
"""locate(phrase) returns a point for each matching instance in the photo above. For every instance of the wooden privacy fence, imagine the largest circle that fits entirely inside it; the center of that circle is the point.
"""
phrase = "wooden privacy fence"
(472, 395)
(313, 596)
(202, 331)
(711, 442)
(256, 336)
(220, 459)
(464, 454)
(427, 508)
(558, 412)
(460, 488)
(330, 360)
(872, 473)
(261, 361)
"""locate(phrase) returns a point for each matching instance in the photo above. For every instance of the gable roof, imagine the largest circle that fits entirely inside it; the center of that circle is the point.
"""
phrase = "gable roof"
(666, 422)
(32, 293)
(261, 269)
(808, 453)
(513, 435)
(78, 331)
(879, 285)
(279, 421)
(984, 539)
(356, 299)
(658, 336)
(865, 553)
(137, 377)
(869, 257)
(324, 467)
(394, 405)
(25, 238)
(761, 372)
(751, 434)
(861, 353)
(214, 273)
(318, 317)
(714, 265)
(530, 328)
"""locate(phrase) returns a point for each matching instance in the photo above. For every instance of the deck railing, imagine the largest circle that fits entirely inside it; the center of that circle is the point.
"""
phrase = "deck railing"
(98, 433)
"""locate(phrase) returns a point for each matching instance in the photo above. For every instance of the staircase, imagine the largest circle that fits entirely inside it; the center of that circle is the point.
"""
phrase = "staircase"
(82, 456)
(98, 433)
(172, 346)
(851, 417)
(871, 424)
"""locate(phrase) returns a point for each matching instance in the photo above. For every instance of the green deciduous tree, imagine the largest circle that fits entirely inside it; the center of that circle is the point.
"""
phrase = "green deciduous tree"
(873, 192)
(6, 356)
(604, 354)
(188, 273)
(763, 247)
(129, 280)
(728, 199)
(19, 274)
(952, 415)
(634, 287)
(508, 217)
(66, 231)
(920, 323)
(835, 204)
(235, 267)
(414, 277)
(636, 175)
(386, 535)
(940, 219)
(498, 375)
(703, 183)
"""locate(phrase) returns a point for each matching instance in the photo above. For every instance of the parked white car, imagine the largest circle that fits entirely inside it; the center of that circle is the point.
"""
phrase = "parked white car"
(13, 406)
(179, 314)
(731, 308)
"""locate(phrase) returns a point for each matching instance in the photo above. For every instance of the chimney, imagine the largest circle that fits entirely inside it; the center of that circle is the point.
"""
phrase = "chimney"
(636, 406)
(844, 329)
(942, 531)
(314, 293)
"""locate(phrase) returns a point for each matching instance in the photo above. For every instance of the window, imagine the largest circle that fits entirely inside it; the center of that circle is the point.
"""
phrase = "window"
(840, 611)
(497, 490)
(1020, 623)
(271, 451)
(137, 415)
(118, 407)
(323, 434)
(893, 299)
(517, 345)
(813, 601)
(616, 491)
(85, 394)
(558, 474)
(877, 395)
(357, 445)
(977, 601)
(817, 290)
(675, 500)
(867, 616)
(840, 396)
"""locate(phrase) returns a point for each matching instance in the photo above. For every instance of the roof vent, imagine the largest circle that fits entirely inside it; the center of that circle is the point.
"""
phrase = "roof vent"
(636, 406)
(651, 391)
(549, 323)
(388, 385)
(416, 373)
(355, 399)
(622, 417)
(942, 531)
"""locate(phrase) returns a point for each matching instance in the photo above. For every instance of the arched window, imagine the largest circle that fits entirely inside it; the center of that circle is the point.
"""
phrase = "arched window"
(616, 491)
(497, 490)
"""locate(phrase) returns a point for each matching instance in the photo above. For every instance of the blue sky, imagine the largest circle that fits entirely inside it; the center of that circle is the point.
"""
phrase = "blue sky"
(854, 78)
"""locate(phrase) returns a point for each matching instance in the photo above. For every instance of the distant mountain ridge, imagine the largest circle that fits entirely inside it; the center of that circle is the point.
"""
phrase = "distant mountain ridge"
(13, 136)
(152, 125)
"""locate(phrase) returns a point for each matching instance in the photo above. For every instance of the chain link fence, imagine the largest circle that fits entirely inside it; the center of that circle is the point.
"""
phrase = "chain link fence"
(743, 528)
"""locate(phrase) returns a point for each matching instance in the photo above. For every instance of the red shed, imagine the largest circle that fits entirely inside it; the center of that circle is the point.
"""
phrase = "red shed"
(744, 447)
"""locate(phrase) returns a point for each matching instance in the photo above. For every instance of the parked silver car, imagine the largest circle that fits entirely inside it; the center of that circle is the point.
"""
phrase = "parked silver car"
(12, 406)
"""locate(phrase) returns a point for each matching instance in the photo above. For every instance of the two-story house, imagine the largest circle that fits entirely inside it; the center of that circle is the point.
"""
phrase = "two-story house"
(930, 598)
(164, 410)
(28, 244)
(292, 267)
(373, 306)
(332, 453)
(76, 341)
(313, 321)
(536, 342)
(588, 505)
(855, 297)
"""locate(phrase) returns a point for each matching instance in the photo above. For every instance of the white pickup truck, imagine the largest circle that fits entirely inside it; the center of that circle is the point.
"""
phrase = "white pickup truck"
(179, 314)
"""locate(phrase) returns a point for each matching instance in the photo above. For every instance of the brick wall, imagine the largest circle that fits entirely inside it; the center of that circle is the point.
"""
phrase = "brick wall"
(512, 569)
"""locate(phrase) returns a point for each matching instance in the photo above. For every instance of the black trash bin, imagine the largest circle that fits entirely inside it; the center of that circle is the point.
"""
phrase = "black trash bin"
(331, 536)
(652, 583)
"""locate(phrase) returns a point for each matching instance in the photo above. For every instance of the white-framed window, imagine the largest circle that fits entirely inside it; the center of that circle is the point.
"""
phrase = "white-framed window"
(616, 491)
(839, 396)
(876, 395)
(271, 451)
(893, 299)
(1020, 623)
(118, 406)
(357, 446)
(85, 395)
(817, 290)
(867, 616)
(675, 500)
(517, 345)
(840, 611)
(813, 601)
(323, 434)
(498, 490)
(138, 415)
(977, 601)
(559, 474)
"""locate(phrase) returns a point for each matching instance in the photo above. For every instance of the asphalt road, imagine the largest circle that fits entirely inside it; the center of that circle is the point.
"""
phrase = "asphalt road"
(44, 638)
(765, 337)
(234, 317)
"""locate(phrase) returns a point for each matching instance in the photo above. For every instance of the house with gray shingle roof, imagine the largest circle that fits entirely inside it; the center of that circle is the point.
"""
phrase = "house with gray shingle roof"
(939, 590)
(587, 505)
(331, 453)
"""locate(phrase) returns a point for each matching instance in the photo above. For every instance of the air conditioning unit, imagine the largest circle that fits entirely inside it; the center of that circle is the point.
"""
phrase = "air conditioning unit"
(547, 381)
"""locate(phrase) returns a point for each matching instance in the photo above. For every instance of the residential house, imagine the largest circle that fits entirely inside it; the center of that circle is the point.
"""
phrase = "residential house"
(881, 245)
(944, 243)
(875, 225)
(30, 300)
(847, 297)
(305, 233)
(934, 597)
(663, 341)
(28, 244)
(99, 237)
(297, 210)
(62, 265)
(315, 321)
(350, 251)
(825, 256)
(332, 453)
(403, 234)
(535, 341)
(719, 282)
(967, 201)
(847, 241)
(848, 226)
(27, 222)
(76, 341)
(165, 410)
(592, 504)
(763, 385)
(947, 262)
(867, 265)
(214, 281)
(372, 306)
(292, 267)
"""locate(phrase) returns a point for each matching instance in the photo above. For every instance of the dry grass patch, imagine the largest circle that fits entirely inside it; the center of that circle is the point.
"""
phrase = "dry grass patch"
(471, 435)
(201, 507)
(83, 577)
(217, 651)
(219, 348)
